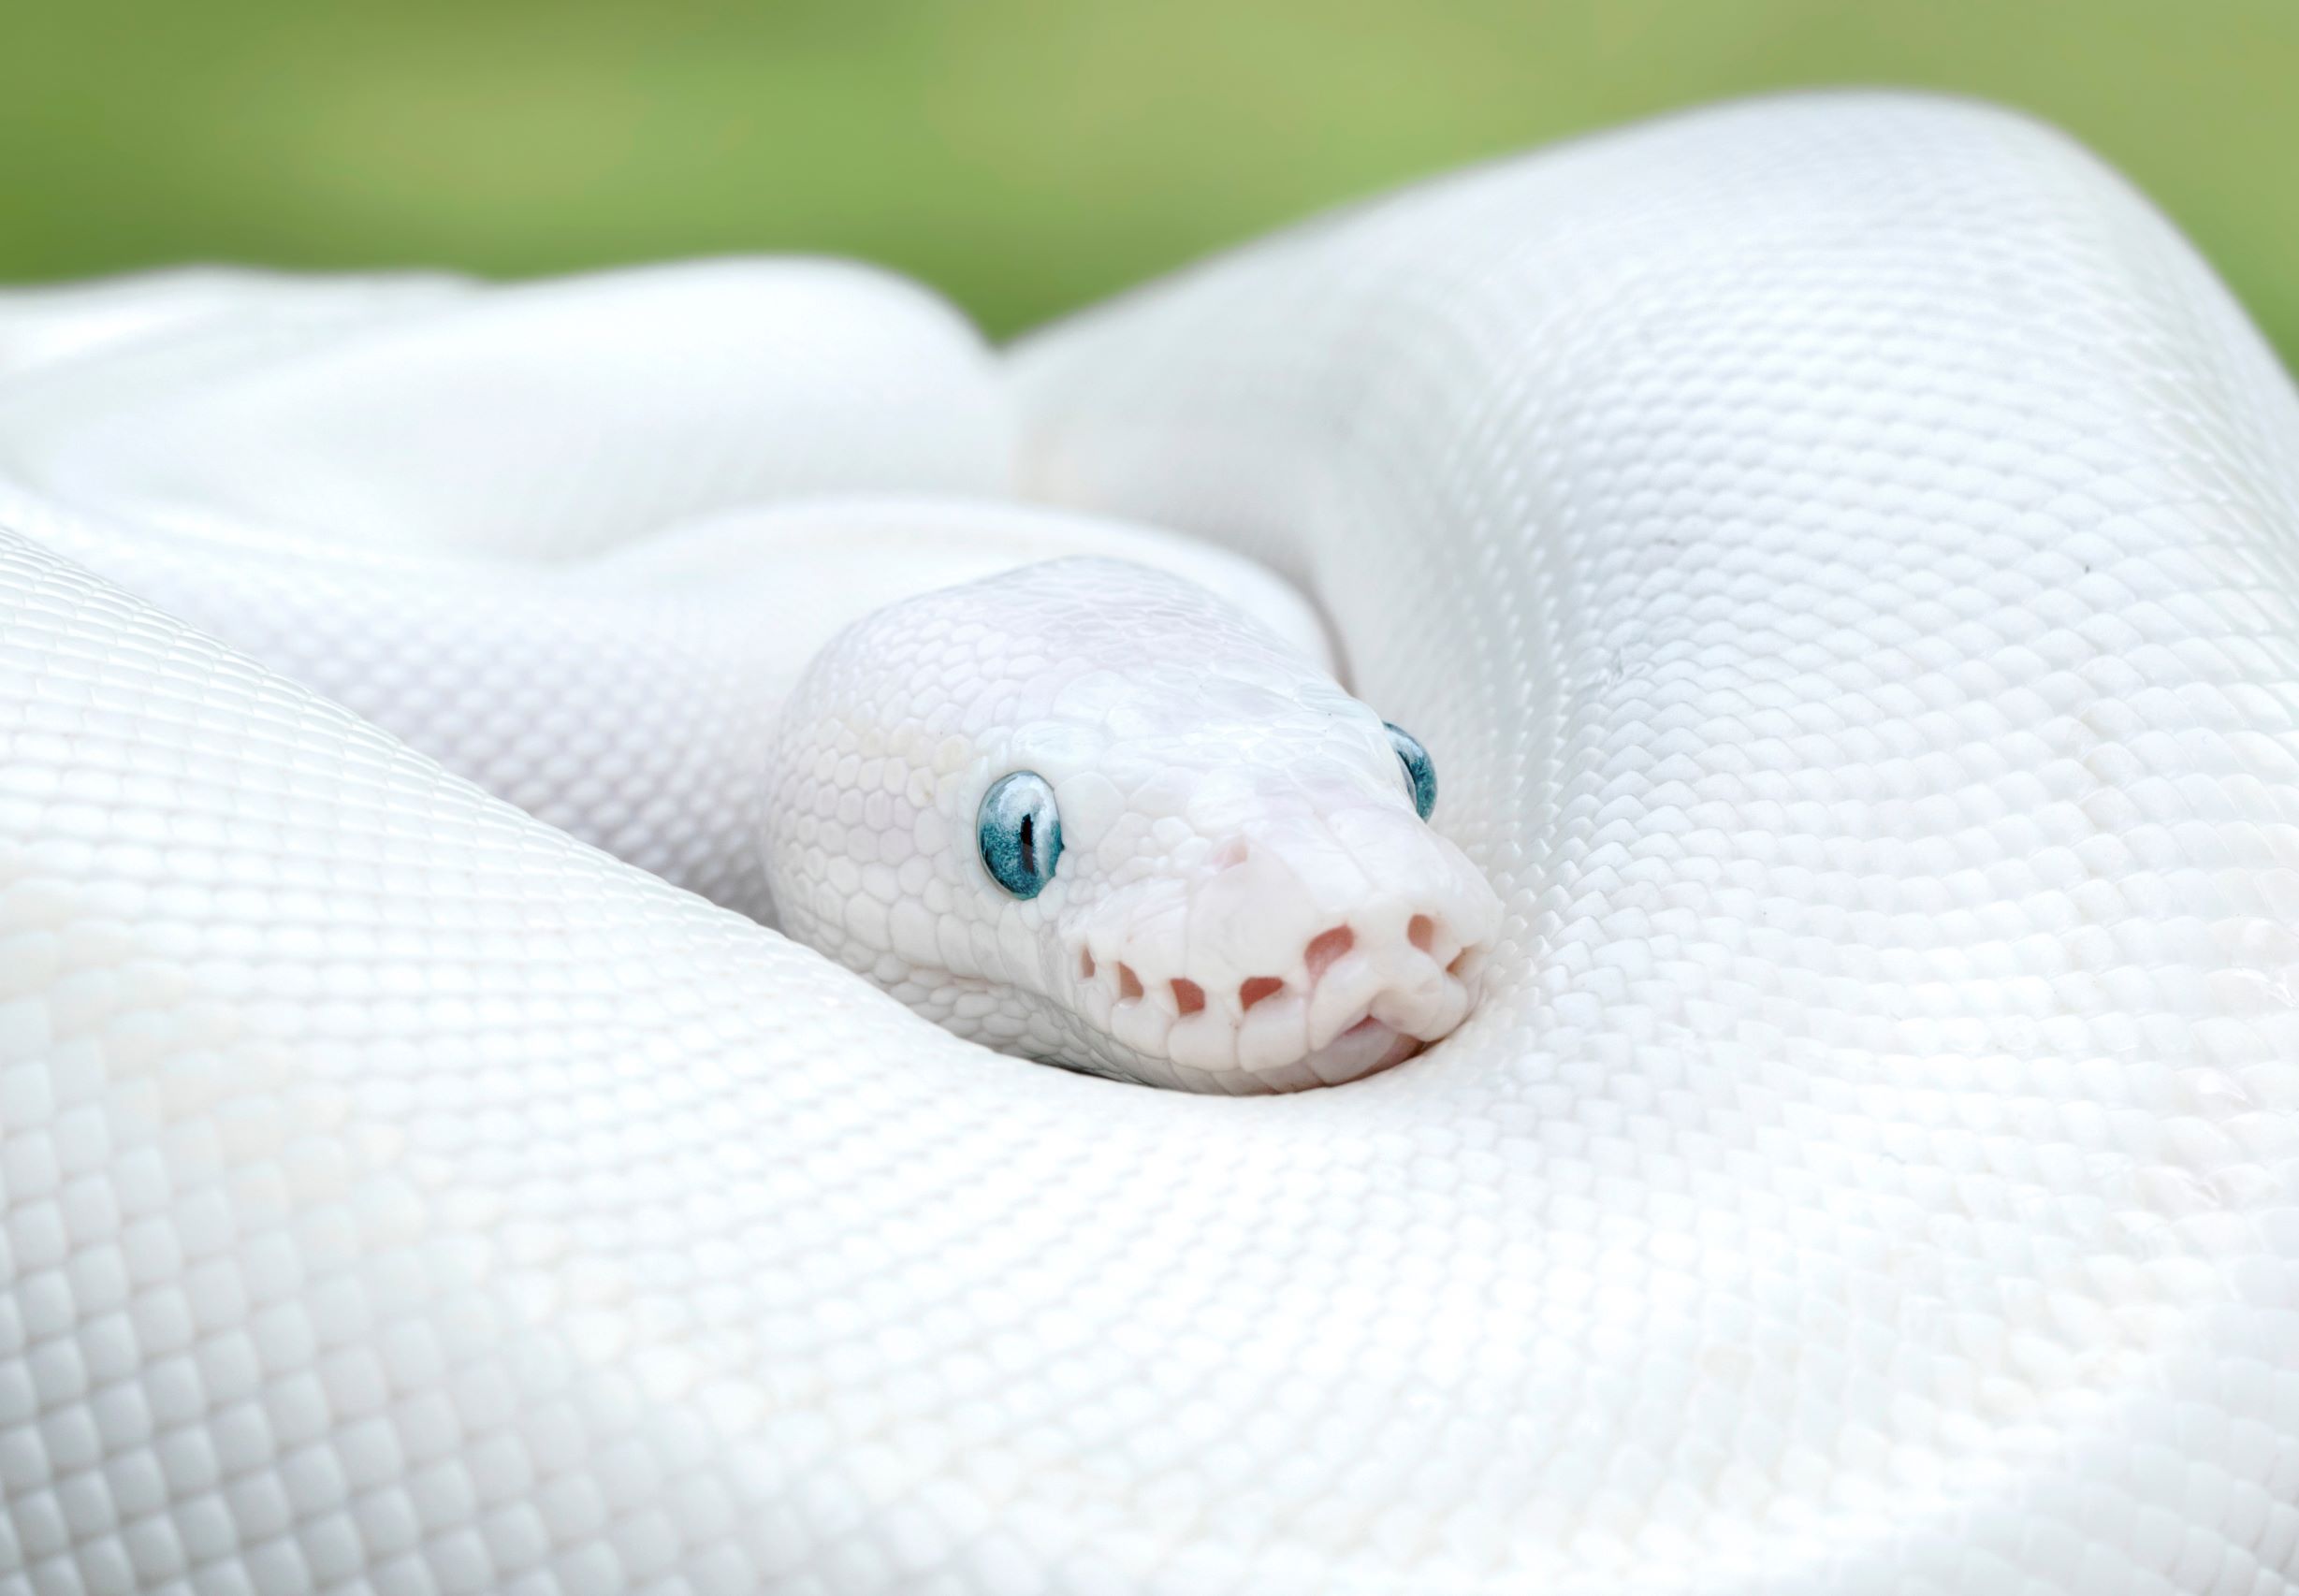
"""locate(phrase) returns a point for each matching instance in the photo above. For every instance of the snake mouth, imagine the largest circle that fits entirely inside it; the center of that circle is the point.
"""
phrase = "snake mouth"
(1357, 1005)
(1281, 972)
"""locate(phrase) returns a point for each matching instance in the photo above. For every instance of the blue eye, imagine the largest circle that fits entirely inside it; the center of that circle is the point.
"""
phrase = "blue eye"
(1021, 832)
(1421, 775)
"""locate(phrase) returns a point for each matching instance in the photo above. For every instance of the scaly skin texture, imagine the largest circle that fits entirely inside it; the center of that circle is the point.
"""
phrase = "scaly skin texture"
(615, 661)
(1841, 553)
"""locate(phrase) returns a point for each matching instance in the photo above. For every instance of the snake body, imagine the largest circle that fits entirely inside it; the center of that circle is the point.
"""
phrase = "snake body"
(1842, 551)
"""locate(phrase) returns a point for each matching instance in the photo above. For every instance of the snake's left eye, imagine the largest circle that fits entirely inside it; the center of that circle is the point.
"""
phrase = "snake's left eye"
(1021, 832)
(1421, 775)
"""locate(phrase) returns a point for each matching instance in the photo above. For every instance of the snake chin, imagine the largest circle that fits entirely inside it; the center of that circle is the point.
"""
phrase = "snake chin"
(1366, 1048)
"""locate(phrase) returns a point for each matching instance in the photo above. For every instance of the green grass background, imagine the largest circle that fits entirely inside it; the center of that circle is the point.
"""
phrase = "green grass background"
(1024, 155)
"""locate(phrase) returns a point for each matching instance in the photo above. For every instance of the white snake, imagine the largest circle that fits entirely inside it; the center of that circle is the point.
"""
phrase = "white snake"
(1840, 553)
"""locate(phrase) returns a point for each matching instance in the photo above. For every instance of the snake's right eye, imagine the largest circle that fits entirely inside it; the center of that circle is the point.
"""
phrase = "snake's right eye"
(1021, 832)
(1421, 770)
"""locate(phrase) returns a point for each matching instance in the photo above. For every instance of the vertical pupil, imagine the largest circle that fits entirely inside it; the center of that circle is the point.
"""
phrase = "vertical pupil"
(1029, 856)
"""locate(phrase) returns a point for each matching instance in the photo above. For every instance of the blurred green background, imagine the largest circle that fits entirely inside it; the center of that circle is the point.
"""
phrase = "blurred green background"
(1024, 155)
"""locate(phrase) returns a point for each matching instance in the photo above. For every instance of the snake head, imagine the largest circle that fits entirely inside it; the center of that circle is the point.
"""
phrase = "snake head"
(1089, 813)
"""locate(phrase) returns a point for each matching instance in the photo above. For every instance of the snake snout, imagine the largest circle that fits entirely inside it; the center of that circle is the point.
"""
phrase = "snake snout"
(1364, 995)
(1273, 975)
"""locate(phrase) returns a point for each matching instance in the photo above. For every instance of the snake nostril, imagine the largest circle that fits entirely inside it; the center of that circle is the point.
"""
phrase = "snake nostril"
(1252, 992)
(1086, 965)
(1421, 932)
(1129, 984)
(1188, 996)
(1326, 947)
